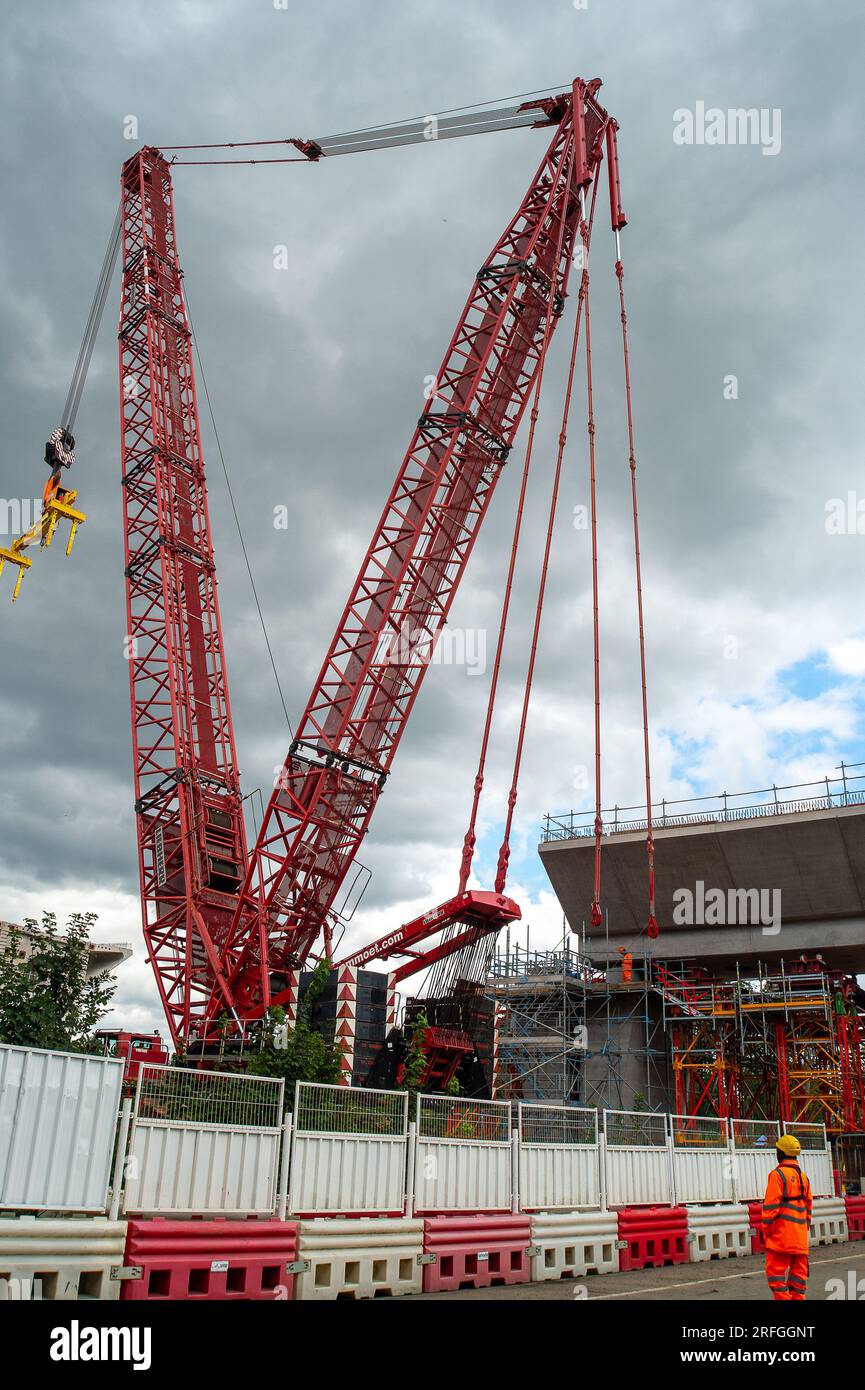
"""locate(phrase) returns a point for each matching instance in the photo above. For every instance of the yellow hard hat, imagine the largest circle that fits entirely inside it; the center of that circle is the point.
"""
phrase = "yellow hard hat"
(789, 1145)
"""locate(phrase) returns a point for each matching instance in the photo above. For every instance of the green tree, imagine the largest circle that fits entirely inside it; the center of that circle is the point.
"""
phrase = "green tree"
(415, 1059)
(307, 1055)
(46, 999)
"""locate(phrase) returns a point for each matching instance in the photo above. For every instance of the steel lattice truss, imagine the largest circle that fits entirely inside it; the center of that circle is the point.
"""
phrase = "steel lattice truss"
(191, 839)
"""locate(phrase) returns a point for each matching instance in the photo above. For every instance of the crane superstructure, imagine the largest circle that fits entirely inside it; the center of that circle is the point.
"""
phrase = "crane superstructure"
(227, 924)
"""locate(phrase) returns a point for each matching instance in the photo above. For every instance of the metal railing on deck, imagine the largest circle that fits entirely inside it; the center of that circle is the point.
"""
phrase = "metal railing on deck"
(828, 794)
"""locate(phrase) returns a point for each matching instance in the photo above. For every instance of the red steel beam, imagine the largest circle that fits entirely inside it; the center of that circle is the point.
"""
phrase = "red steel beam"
(478, 912)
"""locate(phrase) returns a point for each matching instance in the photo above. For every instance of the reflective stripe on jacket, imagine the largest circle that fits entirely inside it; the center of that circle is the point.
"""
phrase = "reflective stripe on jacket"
(787, 1209)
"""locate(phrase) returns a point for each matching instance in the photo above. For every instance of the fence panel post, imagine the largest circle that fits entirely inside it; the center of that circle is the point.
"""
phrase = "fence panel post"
(515, 1170)
(120, 1159)
(284, 1166)
(411, 1157)
(732, 1160)
(671, 1160)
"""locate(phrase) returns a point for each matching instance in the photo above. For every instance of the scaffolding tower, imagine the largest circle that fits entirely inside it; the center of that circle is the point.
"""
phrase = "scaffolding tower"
(540, 999)
(786, 1043)
(568, 1033)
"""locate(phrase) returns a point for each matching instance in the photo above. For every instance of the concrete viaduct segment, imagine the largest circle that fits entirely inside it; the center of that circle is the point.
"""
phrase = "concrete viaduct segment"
(803, 872)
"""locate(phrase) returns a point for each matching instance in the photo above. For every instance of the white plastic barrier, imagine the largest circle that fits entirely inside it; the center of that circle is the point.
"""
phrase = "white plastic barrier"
(716, 1232)
(60, 1259)
(829, 1221)
(573, 1243)
(369, 1257)
(637, 1160)
(462, 1155)
(349, 1150)
(559, 1157)
(203, 1143)
(58, 1113)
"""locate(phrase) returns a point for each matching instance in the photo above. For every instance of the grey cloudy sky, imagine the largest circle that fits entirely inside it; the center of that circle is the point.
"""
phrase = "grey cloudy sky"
(737, 263)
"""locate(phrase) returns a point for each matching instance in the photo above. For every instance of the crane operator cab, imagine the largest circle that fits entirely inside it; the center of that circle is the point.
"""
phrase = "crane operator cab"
(58, 502)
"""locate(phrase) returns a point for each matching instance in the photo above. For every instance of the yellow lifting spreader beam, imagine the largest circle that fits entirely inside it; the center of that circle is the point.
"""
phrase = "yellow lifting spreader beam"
(60, 504)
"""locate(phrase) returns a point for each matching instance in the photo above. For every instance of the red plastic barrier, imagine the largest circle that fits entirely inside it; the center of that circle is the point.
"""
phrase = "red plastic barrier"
(855, 1217)
(755, 1221)
(213, 1260)
(654, 1236)
(475, 1252)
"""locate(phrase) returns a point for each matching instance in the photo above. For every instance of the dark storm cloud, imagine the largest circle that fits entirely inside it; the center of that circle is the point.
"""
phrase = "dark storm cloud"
(736, 263)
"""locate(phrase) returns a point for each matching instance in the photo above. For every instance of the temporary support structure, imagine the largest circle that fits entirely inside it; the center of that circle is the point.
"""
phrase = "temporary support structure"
(541, 999)
(788, 1044)
(570, 1033)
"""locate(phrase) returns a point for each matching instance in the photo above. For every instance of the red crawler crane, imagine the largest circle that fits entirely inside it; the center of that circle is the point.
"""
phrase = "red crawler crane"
(225, 927)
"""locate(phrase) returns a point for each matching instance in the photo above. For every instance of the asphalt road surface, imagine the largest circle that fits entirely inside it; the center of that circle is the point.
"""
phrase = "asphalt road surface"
(728, 1280)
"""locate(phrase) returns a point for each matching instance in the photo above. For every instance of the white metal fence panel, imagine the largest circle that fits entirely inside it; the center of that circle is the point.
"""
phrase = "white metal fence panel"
(818, 1166)
(462, 1155)
(815, 1158)
(182, 1170)
(753, 1146)
(702, 1169)
(558, 1157)
(349, 1151)
(58, 1114)
(203, 1143)
(636, 1158)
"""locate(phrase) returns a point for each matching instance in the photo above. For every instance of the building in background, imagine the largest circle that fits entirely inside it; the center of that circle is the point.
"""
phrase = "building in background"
(103, 955)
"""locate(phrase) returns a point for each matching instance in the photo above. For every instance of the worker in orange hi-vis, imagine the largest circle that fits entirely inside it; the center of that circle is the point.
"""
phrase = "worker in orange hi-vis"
(627, 965)
(786, 1222)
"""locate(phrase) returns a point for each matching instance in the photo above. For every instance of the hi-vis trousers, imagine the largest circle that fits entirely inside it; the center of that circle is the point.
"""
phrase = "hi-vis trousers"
(787, 1274)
